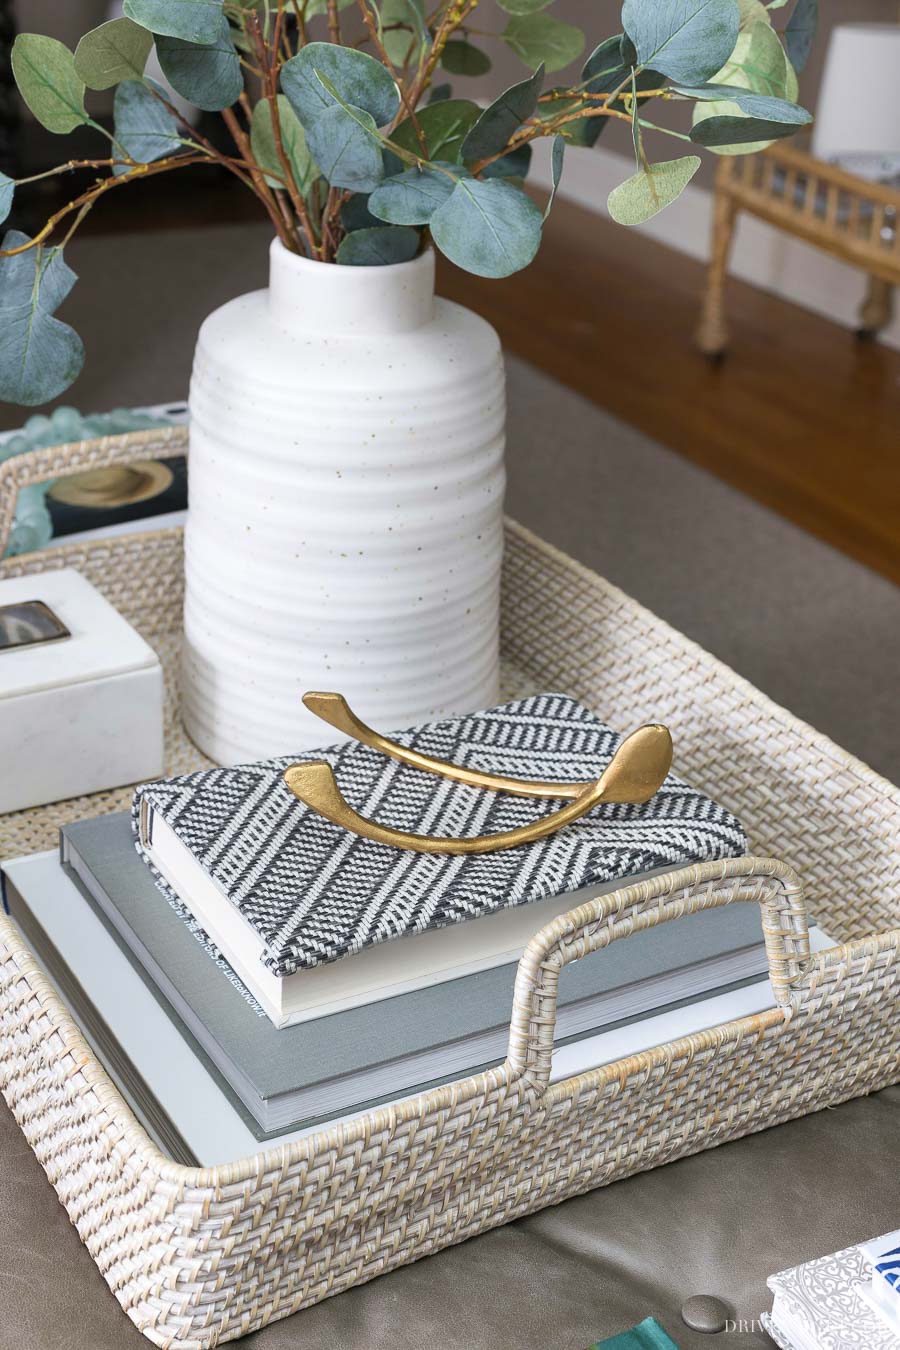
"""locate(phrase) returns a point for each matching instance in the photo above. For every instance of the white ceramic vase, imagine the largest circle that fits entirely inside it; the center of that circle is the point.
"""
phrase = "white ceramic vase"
(346, 493)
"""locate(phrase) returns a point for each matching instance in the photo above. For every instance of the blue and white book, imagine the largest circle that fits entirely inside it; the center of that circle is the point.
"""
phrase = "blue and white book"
(883, 1293)
(821, 1305)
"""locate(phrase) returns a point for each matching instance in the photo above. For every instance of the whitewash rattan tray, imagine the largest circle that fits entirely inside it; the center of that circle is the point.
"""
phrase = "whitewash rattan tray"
(200, 1256)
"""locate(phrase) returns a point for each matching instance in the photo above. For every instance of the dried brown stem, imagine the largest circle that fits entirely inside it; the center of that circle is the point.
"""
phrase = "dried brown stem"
(300, 15)
(405, 99)
(271, 92)
(454, 15)
(71, 165)
(260, 186)
(103, 186)
(330, 217)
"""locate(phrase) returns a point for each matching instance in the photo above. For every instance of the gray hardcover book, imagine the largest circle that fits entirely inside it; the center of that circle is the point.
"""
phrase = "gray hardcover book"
(333, 1064)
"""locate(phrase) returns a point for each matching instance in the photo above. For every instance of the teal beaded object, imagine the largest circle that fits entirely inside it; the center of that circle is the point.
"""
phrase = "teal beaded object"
(32, 527)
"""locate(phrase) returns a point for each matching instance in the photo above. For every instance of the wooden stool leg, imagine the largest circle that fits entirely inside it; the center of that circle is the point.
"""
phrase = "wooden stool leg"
(876, 309)
(712, 335)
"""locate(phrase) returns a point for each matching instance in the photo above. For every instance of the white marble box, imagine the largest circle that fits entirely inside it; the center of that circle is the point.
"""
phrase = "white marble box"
(81, 712)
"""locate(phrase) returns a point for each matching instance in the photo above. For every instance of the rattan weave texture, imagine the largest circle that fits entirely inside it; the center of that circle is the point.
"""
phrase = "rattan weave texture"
(197, 1256)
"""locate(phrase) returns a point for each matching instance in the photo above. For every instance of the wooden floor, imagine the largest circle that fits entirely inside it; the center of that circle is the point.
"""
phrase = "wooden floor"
(800, 414)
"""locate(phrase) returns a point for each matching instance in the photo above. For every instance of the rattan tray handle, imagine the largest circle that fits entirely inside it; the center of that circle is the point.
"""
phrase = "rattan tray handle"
(61, 461)
(769, 883)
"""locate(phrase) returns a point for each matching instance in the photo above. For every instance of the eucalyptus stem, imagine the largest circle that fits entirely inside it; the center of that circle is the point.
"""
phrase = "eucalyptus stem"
(534, 130)
(454, 15)
(300, 15)
(100, 188)
(70, 166)
(260, 186)
(88, 206)
(293, 190)
(333, 202)
(665, 131)
(245, 174)
(408, 103)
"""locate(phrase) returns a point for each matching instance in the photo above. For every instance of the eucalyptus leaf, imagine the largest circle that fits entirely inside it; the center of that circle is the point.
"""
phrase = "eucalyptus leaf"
(207, 75)
(412, 197)
(358, 80)
(440, 93)
(523, 6)
(403, 32)
(344, 144)
(462, 58)
(7, 191)
(48, 82)
(39, 355)
(752, 11)
(557, 155)
(688, 40)
(191, 20)
(355, 213)
(444, 125)
(538, 39)
(115, 51)
(801, 32)
(742, 130)
(650, 190)
(293, 139)
(758, 64)
(755, 105)
(504, 116)
(487, 227)
(142, 126)
(514, 165)
(604, 69)
(381, 246)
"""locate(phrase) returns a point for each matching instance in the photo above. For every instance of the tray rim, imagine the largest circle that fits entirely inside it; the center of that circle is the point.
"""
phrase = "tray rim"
(37, 465)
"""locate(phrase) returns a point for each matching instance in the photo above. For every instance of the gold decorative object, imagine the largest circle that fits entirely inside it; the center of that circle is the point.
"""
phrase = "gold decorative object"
(114, 485)
(635, 772)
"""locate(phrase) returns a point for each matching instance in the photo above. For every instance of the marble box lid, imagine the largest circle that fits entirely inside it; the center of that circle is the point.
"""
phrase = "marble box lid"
(101, 643)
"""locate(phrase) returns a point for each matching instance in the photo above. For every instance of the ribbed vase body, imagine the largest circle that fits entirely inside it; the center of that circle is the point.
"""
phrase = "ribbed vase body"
(345, 522)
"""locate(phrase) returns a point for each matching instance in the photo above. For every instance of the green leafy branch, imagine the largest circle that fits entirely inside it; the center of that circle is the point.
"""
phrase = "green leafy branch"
(358, 151)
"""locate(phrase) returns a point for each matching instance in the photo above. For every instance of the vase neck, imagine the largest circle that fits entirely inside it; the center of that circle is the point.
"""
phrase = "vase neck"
(314, 297)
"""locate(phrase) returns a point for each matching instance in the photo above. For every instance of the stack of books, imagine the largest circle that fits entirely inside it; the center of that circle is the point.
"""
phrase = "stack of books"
(848, 1301)
(247, 970)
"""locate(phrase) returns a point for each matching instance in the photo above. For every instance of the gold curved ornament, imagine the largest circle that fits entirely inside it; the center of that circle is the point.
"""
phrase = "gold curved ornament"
(335, 710)
(635, 772)
(114, 485)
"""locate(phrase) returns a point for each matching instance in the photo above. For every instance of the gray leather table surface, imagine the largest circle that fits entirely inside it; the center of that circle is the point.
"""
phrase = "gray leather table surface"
(816, 631)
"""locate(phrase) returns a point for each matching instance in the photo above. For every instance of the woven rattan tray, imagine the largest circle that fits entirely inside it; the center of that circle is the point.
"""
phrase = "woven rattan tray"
(199, 1256)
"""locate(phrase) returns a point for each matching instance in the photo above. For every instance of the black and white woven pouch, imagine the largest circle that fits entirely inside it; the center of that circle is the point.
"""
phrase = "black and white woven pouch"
(314, 893)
